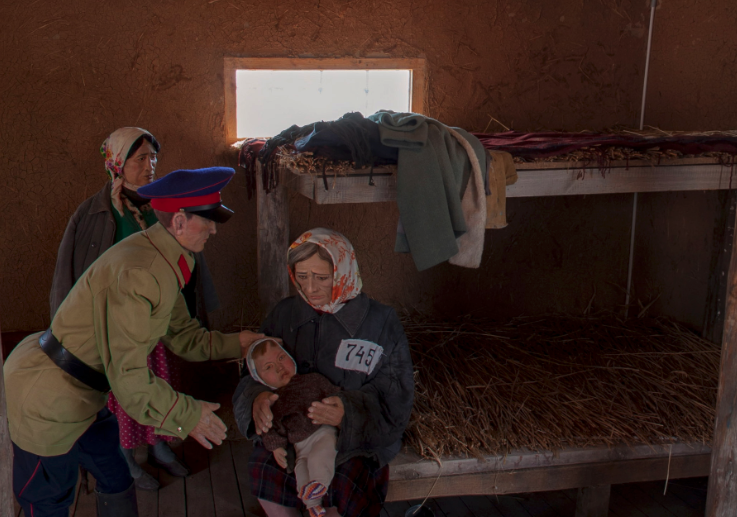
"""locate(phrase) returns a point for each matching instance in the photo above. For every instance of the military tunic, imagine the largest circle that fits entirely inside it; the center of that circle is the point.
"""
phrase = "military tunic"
(117, 311)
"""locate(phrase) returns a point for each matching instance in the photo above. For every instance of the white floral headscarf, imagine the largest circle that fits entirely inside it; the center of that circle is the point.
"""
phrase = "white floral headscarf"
(115, 149)
(346, 277)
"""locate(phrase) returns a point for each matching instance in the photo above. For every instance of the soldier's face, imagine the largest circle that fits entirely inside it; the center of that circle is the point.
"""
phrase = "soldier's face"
(193, 233)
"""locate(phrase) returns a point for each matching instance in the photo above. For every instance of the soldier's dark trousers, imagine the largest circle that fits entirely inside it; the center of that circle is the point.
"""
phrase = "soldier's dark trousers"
(44, 485)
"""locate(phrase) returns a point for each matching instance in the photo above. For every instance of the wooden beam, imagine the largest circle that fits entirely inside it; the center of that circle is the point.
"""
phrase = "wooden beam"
(409, 465)
(6, 451)
(621, 180)
(550, 478)
(721, 498)
(545, 179)
(230, 120)
(593, 501)
(713, 327)
(273, 241)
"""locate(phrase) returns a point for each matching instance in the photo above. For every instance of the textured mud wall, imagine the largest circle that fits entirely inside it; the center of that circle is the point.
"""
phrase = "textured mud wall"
(74, 71)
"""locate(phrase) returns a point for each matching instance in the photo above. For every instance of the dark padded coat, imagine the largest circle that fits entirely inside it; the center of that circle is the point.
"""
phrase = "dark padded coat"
(377, 404)
(89, 233)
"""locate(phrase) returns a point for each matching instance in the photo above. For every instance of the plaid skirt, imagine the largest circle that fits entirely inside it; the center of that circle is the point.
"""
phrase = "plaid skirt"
(358, 489)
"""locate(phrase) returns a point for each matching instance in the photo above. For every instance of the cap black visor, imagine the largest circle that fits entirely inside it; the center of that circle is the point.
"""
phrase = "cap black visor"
(218, 213)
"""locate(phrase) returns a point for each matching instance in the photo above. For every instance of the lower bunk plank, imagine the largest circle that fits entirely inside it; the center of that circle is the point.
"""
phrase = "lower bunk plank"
(550, 478)
(409, 465)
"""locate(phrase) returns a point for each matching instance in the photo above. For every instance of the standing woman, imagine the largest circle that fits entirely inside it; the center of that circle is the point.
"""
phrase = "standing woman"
(104, 219)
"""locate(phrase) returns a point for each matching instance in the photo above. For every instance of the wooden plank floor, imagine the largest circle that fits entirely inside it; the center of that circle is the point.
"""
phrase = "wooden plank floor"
(218, 487)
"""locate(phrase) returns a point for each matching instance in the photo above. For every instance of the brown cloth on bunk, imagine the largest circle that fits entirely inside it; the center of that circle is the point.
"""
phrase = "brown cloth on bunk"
(502, 172)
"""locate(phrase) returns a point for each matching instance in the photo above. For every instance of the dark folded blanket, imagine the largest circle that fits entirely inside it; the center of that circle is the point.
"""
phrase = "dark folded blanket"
(531, 146)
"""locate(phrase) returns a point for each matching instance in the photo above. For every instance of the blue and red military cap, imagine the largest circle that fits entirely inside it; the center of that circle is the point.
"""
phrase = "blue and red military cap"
(195, 191)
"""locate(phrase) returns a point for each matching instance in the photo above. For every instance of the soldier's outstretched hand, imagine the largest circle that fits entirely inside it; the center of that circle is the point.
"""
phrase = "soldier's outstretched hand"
(210, 429)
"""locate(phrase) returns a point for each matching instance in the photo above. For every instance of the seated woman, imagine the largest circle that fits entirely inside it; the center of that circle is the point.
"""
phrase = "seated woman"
(359, 345)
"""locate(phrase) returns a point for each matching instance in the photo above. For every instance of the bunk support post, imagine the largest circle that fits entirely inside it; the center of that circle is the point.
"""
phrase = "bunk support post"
(6, 450)
(722, 251)
(721, 498)
(273, 239)
(593, 501)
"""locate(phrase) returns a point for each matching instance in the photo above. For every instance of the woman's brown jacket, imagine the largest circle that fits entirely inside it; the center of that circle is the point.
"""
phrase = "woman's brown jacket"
(90, 232)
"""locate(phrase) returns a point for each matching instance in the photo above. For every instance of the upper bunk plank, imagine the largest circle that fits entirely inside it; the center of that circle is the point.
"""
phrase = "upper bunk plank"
(721, 498)
(6, 451)
(534, 179)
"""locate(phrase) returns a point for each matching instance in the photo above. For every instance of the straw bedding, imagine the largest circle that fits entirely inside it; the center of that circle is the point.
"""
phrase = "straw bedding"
(308, 163)
(547, 383)
(598, 155)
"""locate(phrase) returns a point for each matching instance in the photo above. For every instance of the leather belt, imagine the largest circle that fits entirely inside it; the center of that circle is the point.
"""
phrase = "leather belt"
(68, 362)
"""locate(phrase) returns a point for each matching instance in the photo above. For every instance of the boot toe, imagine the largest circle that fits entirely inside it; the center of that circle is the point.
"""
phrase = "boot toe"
(146, 482)
(176, 468)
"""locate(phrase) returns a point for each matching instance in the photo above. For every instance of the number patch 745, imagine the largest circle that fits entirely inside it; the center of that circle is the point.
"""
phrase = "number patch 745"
(358, 355)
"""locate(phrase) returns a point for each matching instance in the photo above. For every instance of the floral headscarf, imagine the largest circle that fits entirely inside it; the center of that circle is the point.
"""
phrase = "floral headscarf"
(115, 149)
(346, 277)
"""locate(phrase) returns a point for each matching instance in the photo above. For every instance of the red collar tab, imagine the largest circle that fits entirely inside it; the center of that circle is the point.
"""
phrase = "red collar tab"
(173, 204)
(184, 268)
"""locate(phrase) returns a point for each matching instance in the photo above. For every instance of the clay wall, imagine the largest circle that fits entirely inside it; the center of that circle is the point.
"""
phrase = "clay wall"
(74, 71)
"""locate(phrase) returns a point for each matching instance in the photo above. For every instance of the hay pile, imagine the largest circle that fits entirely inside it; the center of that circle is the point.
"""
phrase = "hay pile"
(552, 382)
(308, 163)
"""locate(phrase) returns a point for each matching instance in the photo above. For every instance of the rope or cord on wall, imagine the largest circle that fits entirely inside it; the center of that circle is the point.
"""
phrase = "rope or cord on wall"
(653, 4)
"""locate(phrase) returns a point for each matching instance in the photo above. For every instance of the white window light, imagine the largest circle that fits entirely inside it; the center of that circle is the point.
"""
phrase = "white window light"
(264, 96)
(269, 101)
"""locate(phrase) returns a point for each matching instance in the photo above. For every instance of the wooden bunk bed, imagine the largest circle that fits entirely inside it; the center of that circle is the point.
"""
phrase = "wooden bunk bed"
(591, 470)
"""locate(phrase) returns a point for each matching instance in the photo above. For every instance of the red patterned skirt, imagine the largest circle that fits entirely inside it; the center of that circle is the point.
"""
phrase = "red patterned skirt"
(133, 434)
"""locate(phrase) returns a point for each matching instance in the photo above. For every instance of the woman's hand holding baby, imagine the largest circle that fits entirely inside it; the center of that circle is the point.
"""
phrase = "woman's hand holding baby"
(329, 411)
(262, 416)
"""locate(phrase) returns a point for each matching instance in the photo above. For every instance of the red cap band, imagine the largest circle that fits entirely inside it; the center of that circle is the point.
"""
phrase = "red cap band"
(173, 204)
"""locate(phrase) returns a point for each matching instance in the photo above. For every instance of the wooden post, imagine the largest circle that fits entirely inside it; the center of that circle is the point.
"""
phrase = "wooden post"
(721, 500)
(273, 240)
(593, 501)
(713, 327)
(6, 451)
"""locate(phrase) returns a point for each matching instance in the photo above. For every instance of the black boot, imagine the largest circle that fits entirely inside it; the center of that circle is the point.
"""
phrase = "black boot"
(122, 504)
(142, 479)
